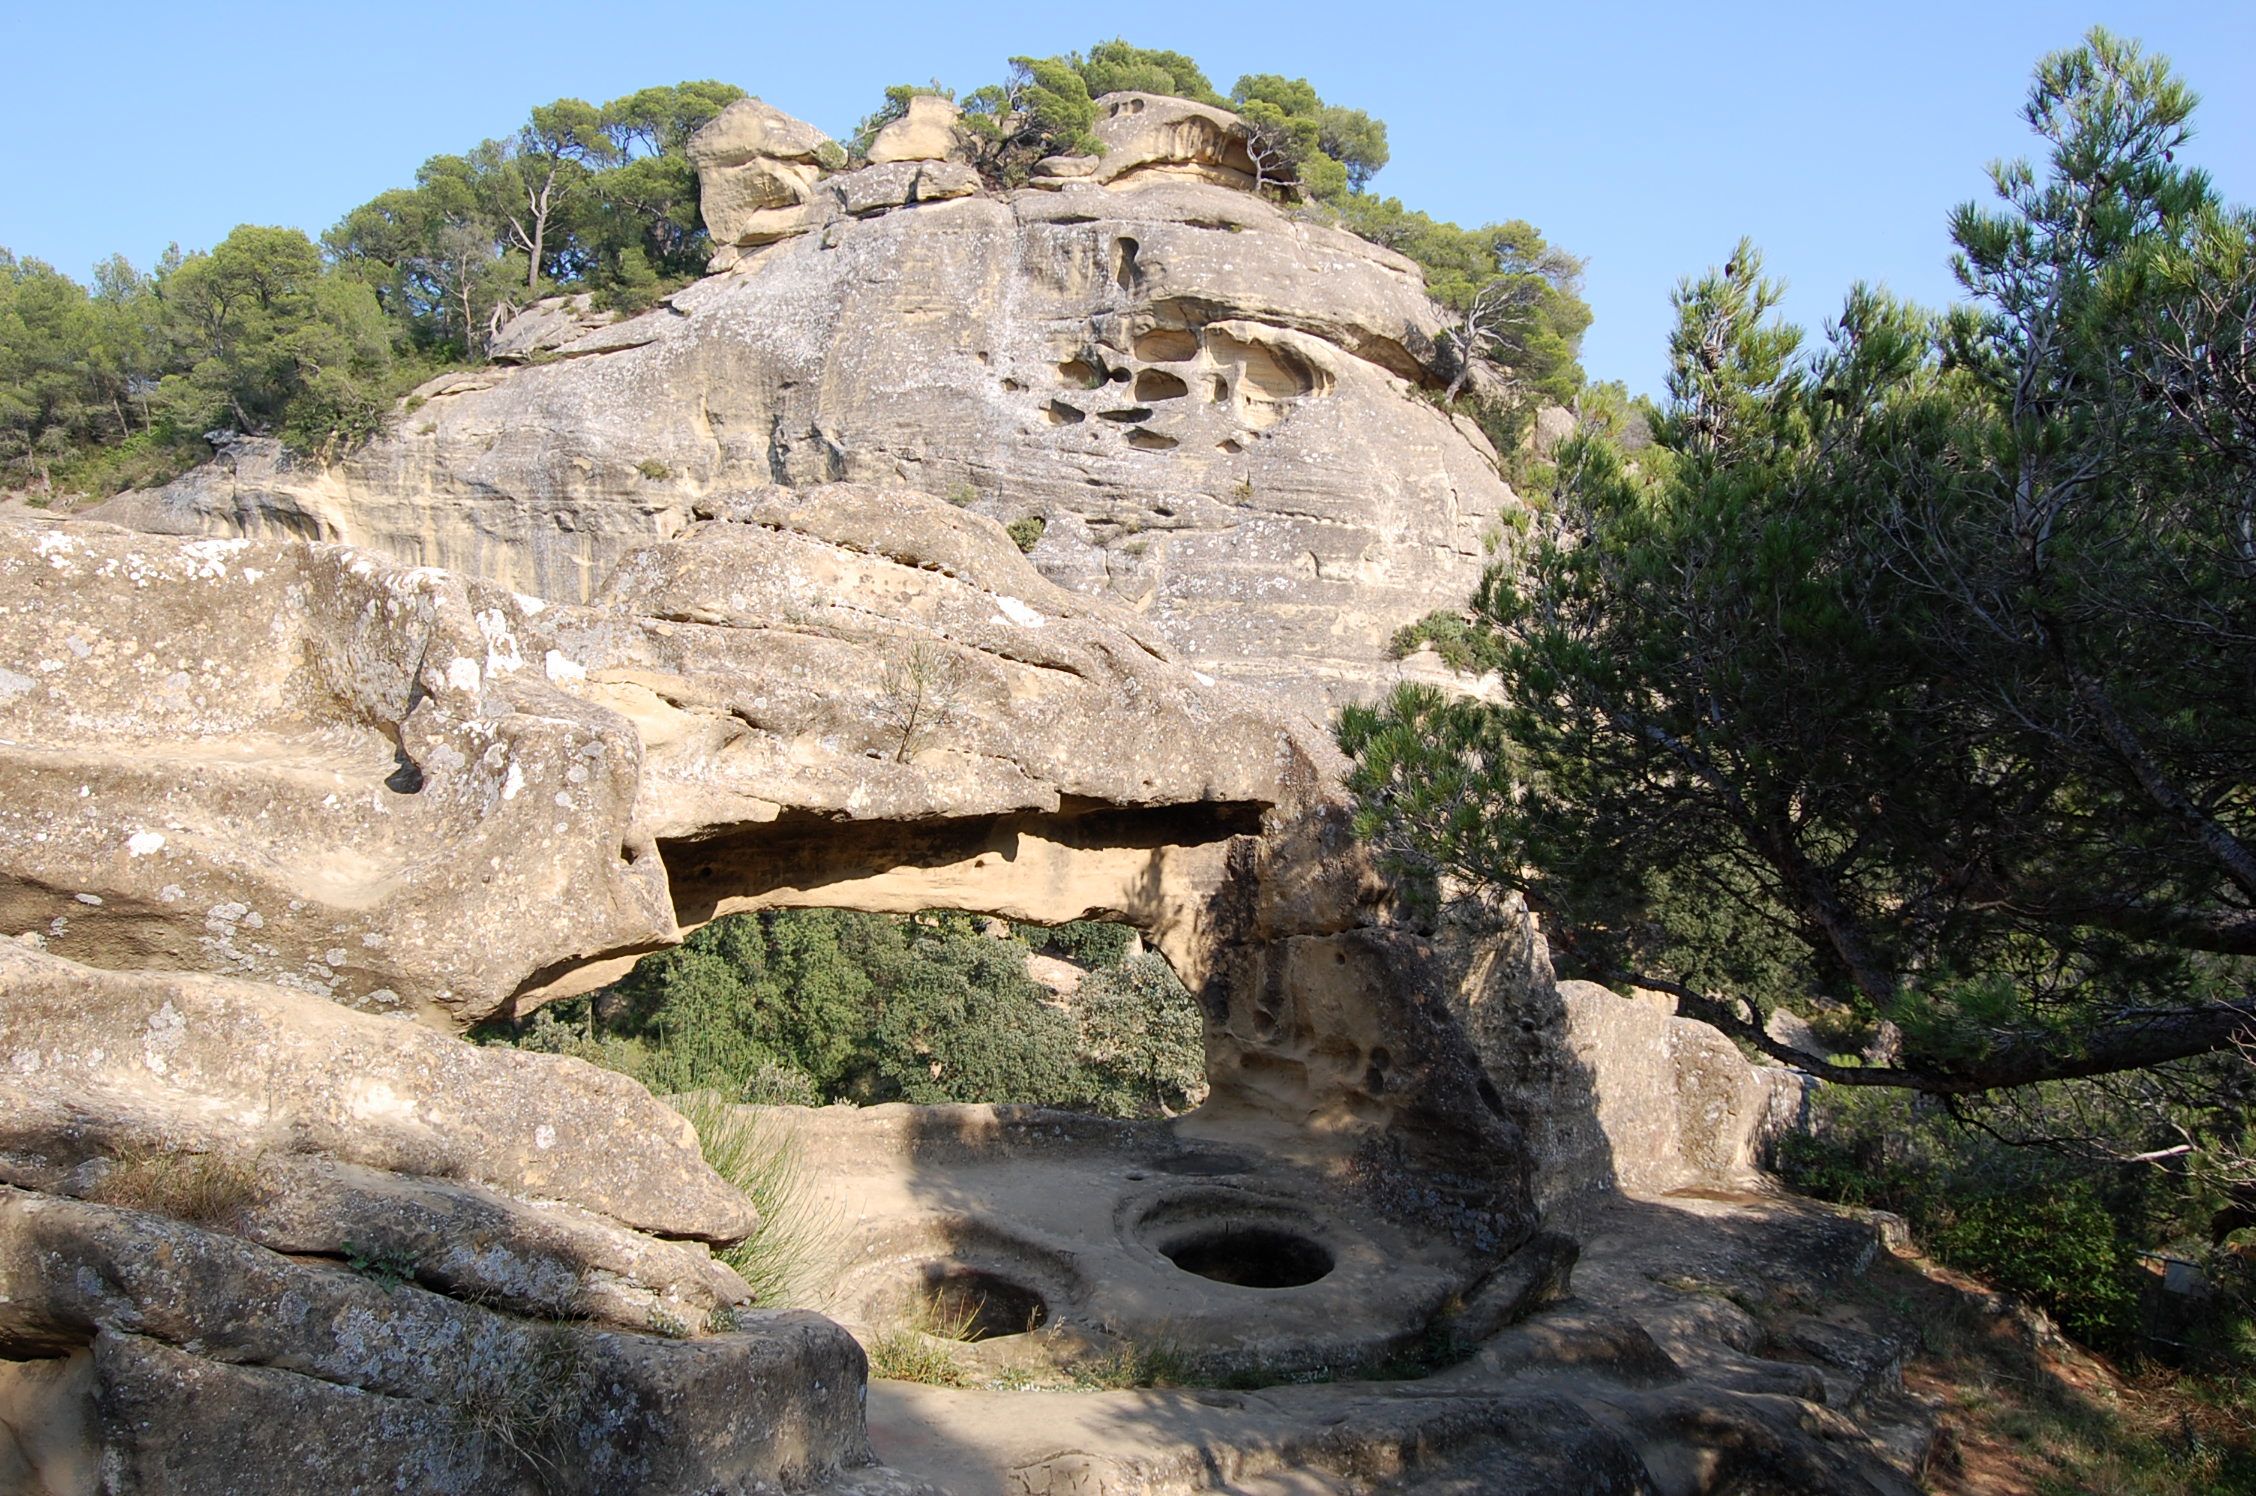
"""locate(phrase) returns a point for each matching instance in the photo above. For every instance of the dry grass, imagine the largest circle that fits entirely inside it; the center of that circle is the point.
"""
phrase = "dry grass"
(2023, 1419)
(205, 1189)
(526, 1408)
(908, 1356)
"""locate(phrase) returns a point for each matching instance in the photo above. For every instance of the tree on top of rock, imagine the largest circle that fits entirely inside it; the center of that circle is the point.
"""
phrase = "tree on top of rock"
(1117, 67)
(271, 343)
(1042, 109)
(895, 107)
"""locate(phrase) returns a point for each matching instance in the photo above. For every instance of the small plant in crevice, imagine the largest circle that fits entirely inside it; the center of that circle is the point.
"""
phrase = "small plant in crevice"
(388, 1267)
(962, 495)
(654, 470)
(1027, 533)
(525, 1406)
(919, 687)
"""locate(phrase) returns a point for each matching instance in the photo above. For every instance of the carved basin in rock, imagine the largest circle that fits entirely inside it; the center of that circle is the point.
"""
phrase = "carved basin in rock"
(1038, 1242)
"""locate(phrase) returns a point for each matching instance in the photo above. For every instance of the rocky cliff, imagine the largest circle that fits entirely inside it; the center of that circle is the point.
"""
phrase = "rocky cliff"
(1212, 404)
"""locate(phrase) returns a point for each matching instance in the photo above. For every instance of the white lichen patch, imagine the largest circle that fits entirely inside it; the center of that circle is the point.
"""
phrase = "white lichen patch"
(167, 1028)
(1018, 612)
(369, 1100)
(144, 843)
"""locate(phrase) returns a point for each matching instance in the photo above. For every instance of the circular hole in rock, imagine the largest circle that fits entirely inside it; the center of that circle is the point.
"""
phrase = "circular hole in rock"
(1250, 1256)
(969, 1303)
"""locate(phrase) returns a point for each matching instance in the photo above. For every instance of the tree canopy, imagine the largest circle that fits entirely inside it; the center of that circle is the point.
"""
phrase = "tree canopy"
(1915, 671)
(581, 198)
(824, 1005)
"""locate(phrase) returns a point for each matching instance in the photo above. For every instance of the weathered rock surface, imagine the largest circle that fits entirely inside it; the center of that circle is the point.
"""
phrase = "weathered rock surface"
(756, 169)
(1611, 1091)
(109, 1063)
(297, 764)
(412, 790)
(1166, 136)
(926, 133)
(1703, 1347)
(220, 1366)
(1212, 404)
(846, 697)
(546, 326)
(267, 800)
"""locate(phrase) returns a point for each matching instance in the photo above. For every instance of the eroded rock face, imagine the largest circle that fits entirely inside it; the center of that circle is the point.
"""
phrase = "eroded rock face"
(1212, 405)
(547, 325)
(220, 1366)
(846, 696)
(107, 1064)
(1166, 136)
(307, 766)
(1613, 1092)
(756, 169)
(926, 133)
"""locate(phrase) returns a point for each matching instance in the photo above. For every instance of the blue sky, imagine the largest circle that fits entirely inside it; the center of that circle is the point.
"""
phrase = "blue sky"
(1646, 137)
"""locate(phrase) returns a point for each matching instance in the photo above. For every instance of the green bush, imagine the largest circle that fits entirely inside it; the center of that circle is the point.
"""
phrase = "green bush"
(2057, 1248)
(2056, 1231)
(1084, 942)
(823, 1005)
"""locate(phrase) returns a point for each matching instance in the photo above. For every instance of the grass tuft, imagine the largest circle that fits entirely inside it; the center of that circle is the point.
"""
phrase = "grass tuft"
(205, 1189)
(758, 1155)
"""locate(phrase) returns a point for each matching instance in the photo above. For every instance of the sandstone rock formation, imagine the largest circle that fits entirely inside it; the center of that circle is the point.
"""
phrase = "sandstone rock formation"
(1164, 136)
(545, 326)
(756, 169)
(424, 793)
(253, 1241)
(660, 619)
(1211, 402)
(926, 133)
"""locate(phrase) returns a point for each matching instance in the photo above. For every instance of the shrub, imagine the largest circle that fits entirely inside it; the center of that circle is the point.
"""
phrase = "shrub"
(2057, 1248)
(824, 1005)
(1027, 533)
(1084, 942)
(653, 469)
(2050, 1229)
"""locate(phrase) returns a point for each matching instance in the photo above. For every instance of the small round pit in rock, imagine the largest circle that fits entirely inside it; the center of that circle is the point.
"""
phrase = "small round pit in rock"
(968, 1303)
(1250, 1256)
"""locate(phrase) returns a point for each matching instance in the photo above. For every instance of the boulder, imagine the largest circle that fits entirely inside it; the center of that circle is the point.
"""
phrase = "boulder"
(926, 133)
(1616, 1092)
(221, 1366)
(1166, 136)
(308, 766)
(110, 1063)
(756, 170)
(1051, 170)
(878, 189)
(548, 325)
